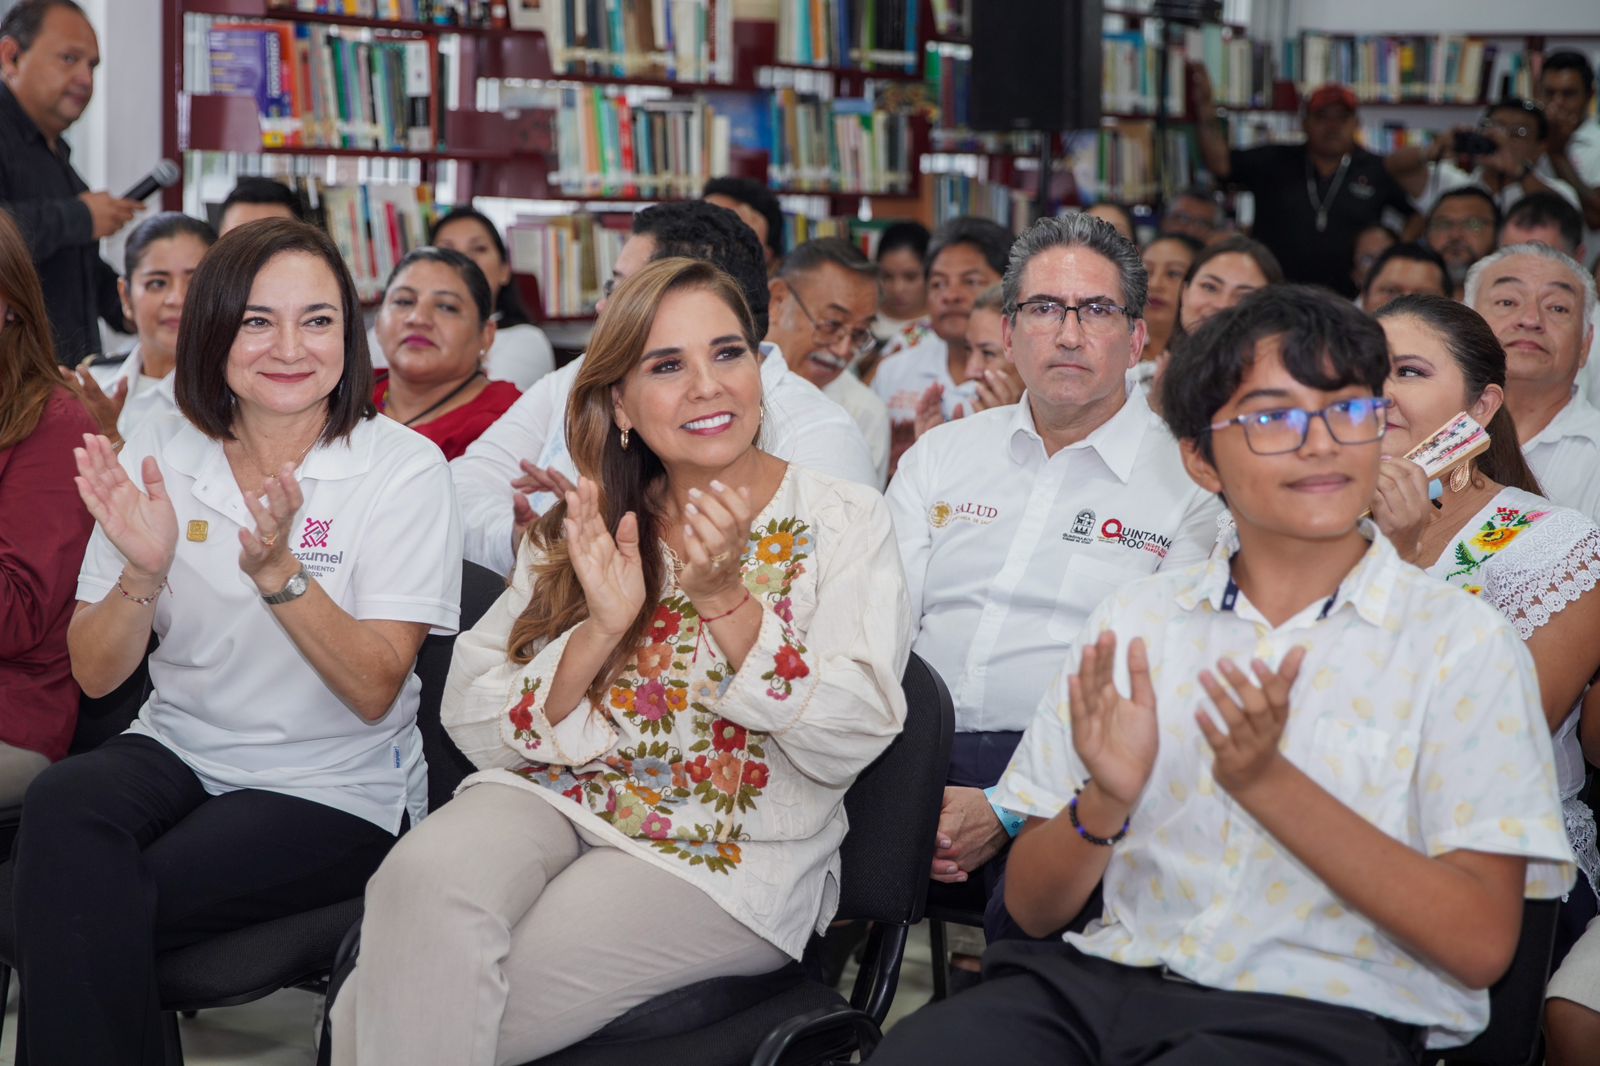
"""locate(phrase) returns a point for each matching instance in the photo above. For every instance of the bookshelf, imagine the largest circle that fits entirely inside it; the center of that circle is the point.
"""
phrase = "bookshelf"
(556, 125)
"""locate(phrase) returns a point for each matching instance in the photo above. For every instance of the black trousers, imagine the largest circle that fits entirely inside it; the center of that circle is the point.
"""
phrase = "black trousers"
(1047, 1004)
(122, 855)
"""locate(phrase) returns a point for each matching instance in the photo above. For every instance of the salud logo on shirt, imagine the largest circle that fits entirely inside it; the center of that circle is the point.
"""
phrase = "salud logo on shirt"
(941, 514)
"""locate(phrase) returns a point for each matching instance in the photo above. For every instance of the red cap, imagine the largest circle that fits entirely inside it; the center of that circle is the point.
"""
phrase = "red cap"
(1332, 95)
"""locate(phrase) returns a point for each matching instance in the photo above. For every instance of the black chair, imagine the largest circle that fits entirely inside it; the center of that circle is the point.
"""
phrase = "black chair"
(786, 1017)
(296, 951)
(1516, 1001)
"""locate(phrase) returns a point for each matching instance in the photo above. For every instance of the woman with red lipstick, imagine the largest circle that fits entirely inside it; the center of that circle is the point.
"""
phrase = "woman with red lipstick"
(435, 327)
(289, 550)
(1495, 535)
(700, 649)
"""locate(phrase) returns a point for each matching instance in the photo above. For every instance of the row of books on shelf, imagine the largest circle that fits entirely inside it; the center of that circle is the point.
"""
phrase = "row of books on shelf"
(863, 34)
(607, 145)
(571, 255)
(440, 12)
(1447, 68)
(845, 144)
(1119, 163)
(955, 195)
(678, 40)
(375, 212)
(1242, 70)
(316, 85)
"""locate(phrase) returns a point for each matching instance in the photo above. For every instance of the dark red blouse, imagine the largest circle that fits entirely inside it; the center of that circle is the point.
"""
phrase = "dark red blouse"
(454, 430)
(43, 530)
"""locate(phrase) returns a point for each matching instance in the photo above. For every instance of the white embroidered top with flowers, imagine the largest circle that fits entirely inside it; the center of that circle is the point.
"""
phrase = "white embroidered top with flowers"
(1528, 559)
(732, 780)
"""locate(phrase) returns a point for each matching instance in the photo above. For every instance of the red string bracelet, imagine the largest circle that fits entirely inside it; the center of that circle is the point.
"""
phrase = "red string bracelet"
(717, 618)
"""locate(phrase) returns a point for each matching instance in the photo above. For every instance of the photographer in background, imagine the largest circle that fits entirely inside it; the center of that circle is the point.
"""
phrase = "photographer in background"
(1504, 154)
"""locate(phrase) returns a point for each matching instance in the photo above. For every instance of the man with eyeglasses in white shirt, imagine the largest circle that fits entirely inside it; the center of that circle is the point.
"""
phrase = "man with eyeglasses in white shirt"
(1299, 770)
(824, 301)
(1016, 521)
(1540, 304)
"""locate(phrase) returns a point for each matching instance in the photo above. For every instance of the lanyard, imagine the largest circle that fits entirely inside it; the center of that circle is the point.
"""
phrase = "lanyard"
(1320, 204)
(1230, 597)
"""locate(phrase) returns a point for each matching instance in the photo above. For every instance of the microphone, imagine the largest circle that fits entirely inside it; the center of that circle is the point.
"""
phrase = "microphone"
(161, 175)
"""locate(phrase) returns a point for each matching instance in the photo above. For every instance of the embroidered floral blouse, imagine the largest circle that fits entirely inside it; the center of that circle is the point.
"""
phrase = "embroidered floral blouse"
(1529, 559)
(732, 780)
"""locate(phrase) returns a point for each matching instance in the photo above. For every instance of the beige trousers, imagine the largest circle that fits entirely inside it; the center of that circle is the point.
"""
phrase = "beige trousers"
(496, 932)
(18, 768)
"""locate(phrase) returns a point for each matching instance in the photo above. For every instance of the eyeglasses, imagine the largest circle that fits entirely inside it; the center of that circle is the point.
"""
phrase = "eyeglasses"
(829, 331)
(1048, 316)
(1284, 430)
(1520, 133)
(1473, 226)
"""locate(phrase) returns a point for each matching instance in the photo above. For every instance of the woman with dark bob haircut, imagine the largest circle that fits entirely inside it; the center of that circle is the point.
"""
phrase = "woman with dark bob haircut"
(290, 550)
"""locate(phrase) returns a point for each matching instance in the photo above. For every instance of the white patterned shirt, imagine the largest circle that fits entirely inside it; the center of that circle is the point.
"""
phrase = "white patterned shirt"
(1417, 706)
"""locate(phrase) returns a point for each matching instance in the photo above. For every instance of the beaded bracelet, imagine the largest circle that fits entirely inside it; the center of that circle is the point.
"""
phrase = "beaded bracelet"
(724, 614)
(1104, 842)
(143, 601)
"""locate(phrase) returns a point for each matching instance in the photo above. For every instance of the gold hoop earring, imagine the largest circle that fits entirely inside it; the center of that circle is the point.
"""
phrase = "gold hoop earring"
(1461, 477)
(624, 440)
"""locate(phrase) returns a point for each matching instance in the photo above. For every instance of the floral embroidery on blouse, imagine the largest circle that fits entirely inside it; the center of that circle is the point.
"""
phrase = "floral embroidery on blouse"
(642, 787)
(1495, 535)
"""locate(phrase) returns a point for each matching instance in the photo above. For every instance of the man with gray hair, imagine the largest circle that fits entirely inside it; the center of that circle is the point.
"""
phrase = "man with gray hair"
(1540, 304)
(1015, 522)
(824, 302)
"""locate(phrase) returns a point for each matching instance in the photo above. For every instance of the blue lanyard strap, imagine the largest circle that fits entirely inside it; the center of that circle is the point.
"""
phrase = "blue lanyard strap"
(1230, 599)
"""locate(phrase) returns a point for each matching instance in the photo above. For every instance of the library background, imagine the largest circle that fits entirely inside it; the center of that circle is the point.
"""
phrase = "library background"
(561, 118)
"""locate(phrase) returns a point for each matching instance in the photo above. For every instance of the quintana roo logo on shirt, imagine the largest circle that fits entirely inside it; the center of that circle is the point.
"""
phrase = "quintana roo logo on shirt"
(941, 514)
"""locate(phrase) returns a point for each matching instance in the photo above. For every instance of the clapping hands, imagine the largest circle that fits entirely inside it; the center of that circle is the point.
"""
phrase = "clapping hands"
(609, 568)
(141, 525)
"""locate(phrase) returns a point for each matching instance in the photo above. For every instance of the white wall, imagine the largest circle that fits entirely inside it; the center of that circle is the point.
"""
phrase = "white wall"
(118, 139)
(1440, 16)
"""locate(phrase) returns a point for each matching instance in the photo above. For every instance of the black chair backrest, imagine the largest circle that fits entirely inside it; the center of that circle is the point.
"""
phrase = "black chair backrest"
(102, 717)
(894, 809)
(1516, 1000)
(480, 587)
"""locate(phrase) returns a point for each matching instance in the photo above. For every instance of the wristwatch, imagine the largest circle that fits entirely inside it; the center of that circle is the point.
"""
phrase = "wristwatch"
(292, 591)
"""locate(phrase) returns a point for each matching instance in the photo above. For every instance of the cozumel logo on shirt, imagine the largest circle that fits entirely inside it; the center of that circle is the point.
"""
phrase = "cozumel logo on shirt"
(315, 536)
(942, 514)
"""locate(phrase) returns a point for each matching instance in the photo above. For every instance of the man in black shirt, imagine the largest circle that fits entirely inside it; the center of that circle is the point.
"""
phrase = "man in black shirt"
(48, 54)
(1311, 199)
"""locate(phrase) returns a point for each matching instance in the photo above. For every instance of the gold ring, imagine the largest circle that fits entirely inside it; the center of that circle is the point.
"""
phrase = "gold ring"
(719, 558)
(270, 541)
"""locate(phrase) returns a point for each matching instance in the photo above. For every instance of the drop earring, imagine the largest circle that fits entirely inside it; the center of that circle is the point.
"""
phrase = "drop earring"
(624, 440)
(1461, 477)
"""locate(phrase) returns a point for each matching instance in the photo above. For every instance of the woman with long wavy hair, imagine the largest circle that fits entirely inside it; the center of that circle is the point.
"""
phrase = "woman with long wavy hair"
(700, 649)
(43, 527)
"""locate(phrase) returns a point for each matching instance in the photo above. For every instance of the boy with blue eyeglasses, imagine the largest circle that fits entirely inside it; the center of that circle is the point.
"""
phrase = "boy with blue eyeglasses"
(1310, 770)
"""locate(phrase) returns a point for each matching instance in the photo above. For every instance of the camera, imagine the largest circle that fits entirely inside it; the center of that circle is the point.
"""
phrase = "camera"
(1469, 142)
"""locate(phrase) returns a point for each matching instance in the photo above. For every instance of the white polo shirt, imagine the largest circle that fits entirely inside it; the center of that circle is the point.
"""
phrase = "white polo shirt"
(871, 416)
(1007, 551)
(902, 378)
(147, 397)
(799, 425)
(1565, 457)
(233, 697)
(1583, 148)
